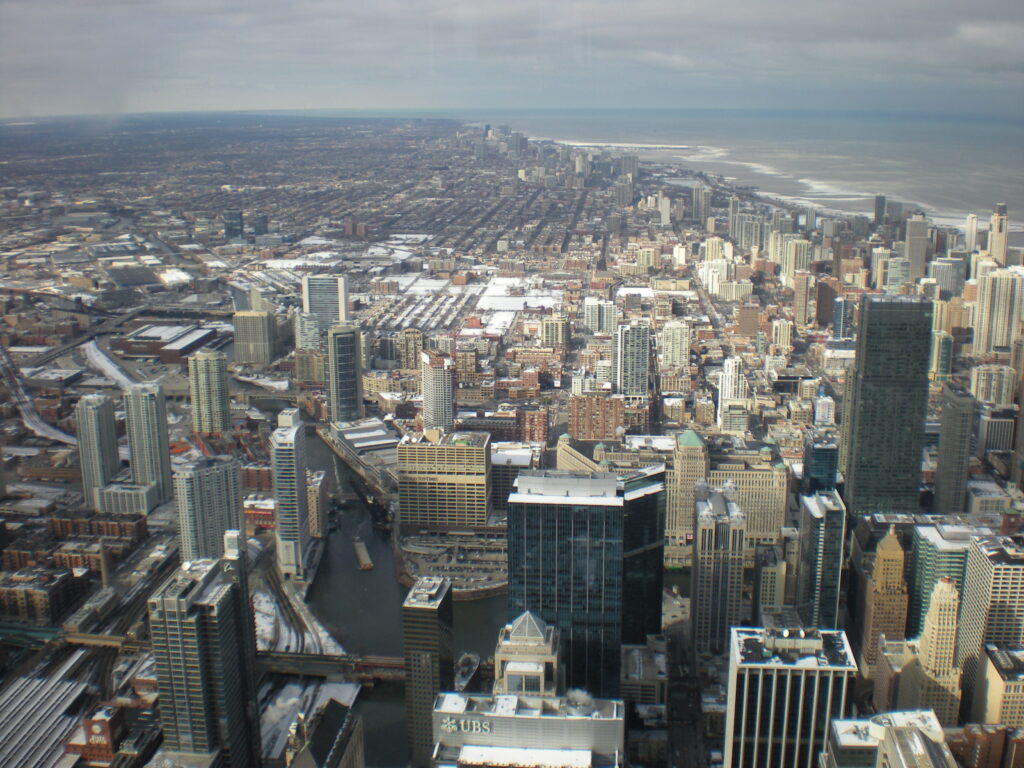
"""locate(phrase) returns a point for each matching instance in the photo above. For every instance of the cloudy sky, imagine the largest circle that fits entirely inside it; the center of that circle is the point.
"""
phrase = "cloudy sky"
(109, 56)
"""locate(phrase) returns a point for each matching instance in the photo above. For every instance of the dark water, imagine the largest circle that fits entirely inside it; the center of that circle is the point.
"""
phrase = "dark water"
(363, 610)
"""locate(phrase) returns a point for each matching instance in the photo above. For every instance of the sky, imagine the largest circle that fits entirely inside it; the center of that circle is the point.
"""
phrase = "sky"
(118, 56)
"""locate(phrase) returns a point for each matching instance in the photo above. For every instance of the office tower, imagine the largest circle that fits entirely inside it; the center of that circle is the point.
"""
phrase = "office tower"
(344, 373)
(631, 360)
(597, 416)
(842, 318)
(883, 608)
(630, 164)
(675, 344)
(886, 405)
(599, 315)
(997, 234)
(288, 464)
(732, 384)
(940, 356)
(999, 310)
(526, 659)
(917, 246)
(209, 500)
(201, 631)
(234, 224)
(700, 203)
(208, 387)
(1000, 694)
(879, 210)
(438, 387)
(821, 460)
(717, 576)
(995, 384)
(260, 224)
(326, 297)
(97, 445)
(785, 686)
(146, 423)
(994, 429)
(444, 485)
(949, 273)
(928, 677)
(958, 410)
(428, 644)
(803, 288)
(585, 554)
(991, 603)
(410, 348)
(897, 274)
(255, 336)
(822, 539)
(307, 332)
(690, 464)
(971, 233)
(936, 552)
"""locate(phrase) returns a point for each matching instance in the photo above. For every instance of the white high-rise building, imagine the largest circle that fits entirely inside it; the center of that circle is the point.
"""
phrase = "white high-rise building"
(438, 388)
(148, 444)
(732, 384)
(307, 332)
(209, 499)
(208, 387)
(97, 445)
(994, 384)
(971, 233)
(288, 462)
(785, 687)
(992, 602)
(824, 411)
(782, 334)
(326, 297)
(600, 315)
(675, 344)
(999, 310)
(997, 234)
(631, 360)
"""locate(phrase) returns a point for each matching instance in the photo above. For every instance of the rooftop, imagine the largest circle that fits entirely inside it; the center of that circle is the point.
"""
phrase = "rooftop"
(797, 648)
(427, 592)
(1008, 661)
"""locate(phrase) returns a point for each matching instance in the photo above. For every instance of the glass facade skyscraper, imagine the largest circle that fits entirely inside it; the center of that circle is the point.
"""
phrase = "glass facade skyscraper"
(585, 554)
(885, 405)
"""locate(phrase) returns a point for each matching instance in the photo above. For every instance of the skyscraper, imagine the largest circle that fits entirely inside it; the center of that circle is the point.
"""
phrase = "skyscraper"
(821, 460)
(917, 246)
(438, 387)
(146, 421)
(690, 463)
(883, 605)
(822, 550)
(940, 360)
(700, 203)
(785, 686)
(97, 445)
(879, 210)
(585, 554)
(326, 297)
(201, 631)
(631, 360)
(732, 384)
(936, 552)
(208, 387)
(675, 344)
(428, 643)
(209, 499)
(288, 463)
(992, 602)
(997, 234)
(234, 224)
(307, 332)
(995, 384)
(999, 310)
(410, 348)
(886, 404)
(255, 334)
(554, 331)
(717, 576)
(444, 485)
(958, 411)
(971, 233)
(344, 373)
(600, 315)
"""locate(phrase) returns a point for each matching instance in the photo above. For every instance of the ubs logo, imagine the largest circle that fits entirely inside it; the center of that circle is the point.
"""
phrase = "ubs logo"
(453, 725)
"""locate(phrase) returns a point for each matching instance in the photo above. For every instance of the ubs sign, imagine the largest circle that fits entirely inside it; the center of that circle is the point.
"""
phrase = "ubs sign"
(457, 725)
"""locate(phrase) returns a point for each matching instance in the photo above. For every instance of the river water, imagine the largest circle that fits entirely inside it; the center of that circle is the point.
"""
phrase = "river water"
(362, 609)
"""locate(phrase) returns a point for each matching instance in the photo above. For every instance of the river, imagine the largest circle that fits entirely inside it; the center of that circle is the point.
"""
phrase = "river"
(362, 609)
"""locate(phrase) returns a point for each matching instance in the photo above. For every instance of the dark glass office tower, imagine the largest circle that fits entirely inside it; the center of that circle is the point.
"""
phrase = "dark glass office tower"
(585, 554)
(345, 395)
(958, 416)
(885, 405)
(821, 460)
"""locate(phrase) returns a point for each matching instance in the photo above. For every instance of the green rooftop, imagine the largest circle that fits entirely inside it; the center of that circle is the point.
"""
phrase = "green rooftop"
(689, 439)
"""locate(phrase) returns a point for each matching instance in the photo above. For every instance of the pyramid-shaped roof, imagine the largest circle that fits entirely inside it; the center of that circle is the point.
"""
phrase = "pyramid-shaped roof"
(528, 626)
